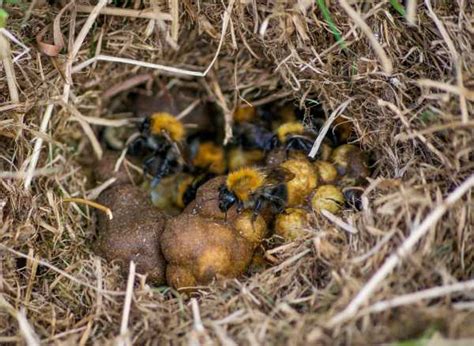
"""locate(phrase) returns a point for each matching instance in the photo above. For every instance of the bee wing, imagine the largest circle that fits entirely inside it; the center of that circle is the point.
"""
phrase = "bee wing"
(279, 175)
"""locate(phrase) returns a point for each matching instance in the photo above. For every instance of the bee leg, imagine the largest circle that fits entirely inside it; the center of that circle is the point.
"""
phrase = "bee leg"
(279, 207)
(277, 204)
(155, 181)
(144, 127)
(331, 135)
(240, 207)
(274, 143)
(257, 209)
(148, 163)
(163, 171)
(291, 145)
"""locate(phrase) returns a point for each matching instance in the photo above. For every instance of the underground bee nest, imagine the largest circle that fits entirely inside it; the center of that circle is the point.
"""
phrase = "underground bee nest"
(398, 72)
(209, 228)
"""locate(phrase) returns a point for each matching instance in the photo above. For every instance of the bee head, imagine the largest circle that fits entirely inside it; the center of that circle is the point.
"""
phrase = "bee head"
(144, 126)
(226, 198)
(244, 182)
(165, 122)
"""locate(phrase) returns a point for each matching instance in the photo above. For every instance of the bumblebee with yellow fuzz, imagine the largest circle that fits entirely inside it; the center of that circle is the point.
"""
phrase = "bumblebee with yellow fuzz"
(351, 163)
(210, 157)
(294, 137)
(160, 136)
(238, 158)
(244, 114)
(165, 123)
(289, 129)
(251, 188)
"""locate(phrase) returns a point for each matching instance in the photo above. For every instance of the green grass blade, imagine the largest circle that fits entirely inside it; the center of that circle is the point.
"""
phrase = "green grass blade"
(3, 18)
(398, 7)
(330, 22)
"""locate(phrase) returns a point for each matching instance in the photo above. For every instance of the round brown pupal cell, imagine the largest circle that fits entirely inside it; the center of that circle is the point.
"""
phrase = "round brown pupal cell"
(350, 162)
(105, 169)
(252, 230)
(304, 181)
(133, 233)
(292, 223)
(327, 197)
(203, 249)
(238, 158)
(259, 262)
(206, 202)
(327, 173)
(180, 276)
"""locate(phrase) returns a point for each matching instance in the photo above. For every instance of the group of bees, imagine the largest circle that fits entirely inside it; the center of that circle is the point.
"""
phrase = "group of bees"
(266, 163)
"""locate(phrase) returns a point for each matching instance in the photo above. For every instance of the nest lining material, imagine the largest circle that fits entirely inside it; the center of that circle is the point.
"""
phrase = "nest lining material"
(407, 88)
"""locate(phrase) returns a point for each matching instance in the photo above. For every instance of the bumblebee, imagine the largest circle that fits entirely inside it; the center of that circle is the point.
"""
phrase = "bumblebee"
(351, 163)
(251, 188)
(159, 140)
(268, 128)
(244, 114)
(249, 145)
(294, 137)
(186, 189)
(238, 158)
(207, 156)
(250, 136)
(175, 192)
(290, 136)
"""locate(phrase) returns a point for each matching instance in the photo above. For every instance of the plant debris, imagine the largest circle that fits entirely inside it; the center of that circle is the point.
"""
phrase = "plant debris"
(404, 84)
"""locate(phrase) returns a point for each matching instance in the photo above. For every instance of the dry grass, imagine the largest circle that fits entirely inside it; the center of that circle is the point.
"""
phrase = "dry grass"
(410, 85)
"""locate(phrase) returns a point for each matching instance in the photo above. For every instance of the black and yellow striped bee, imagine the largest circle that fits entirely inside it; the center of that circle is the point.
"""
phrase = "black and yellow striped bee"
(255, 189)
(160, 138)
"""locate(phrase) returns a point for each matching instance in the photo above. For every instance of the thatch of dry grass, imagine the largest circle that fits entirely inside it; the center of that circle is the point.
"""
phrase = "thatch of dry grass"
(406, 83)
